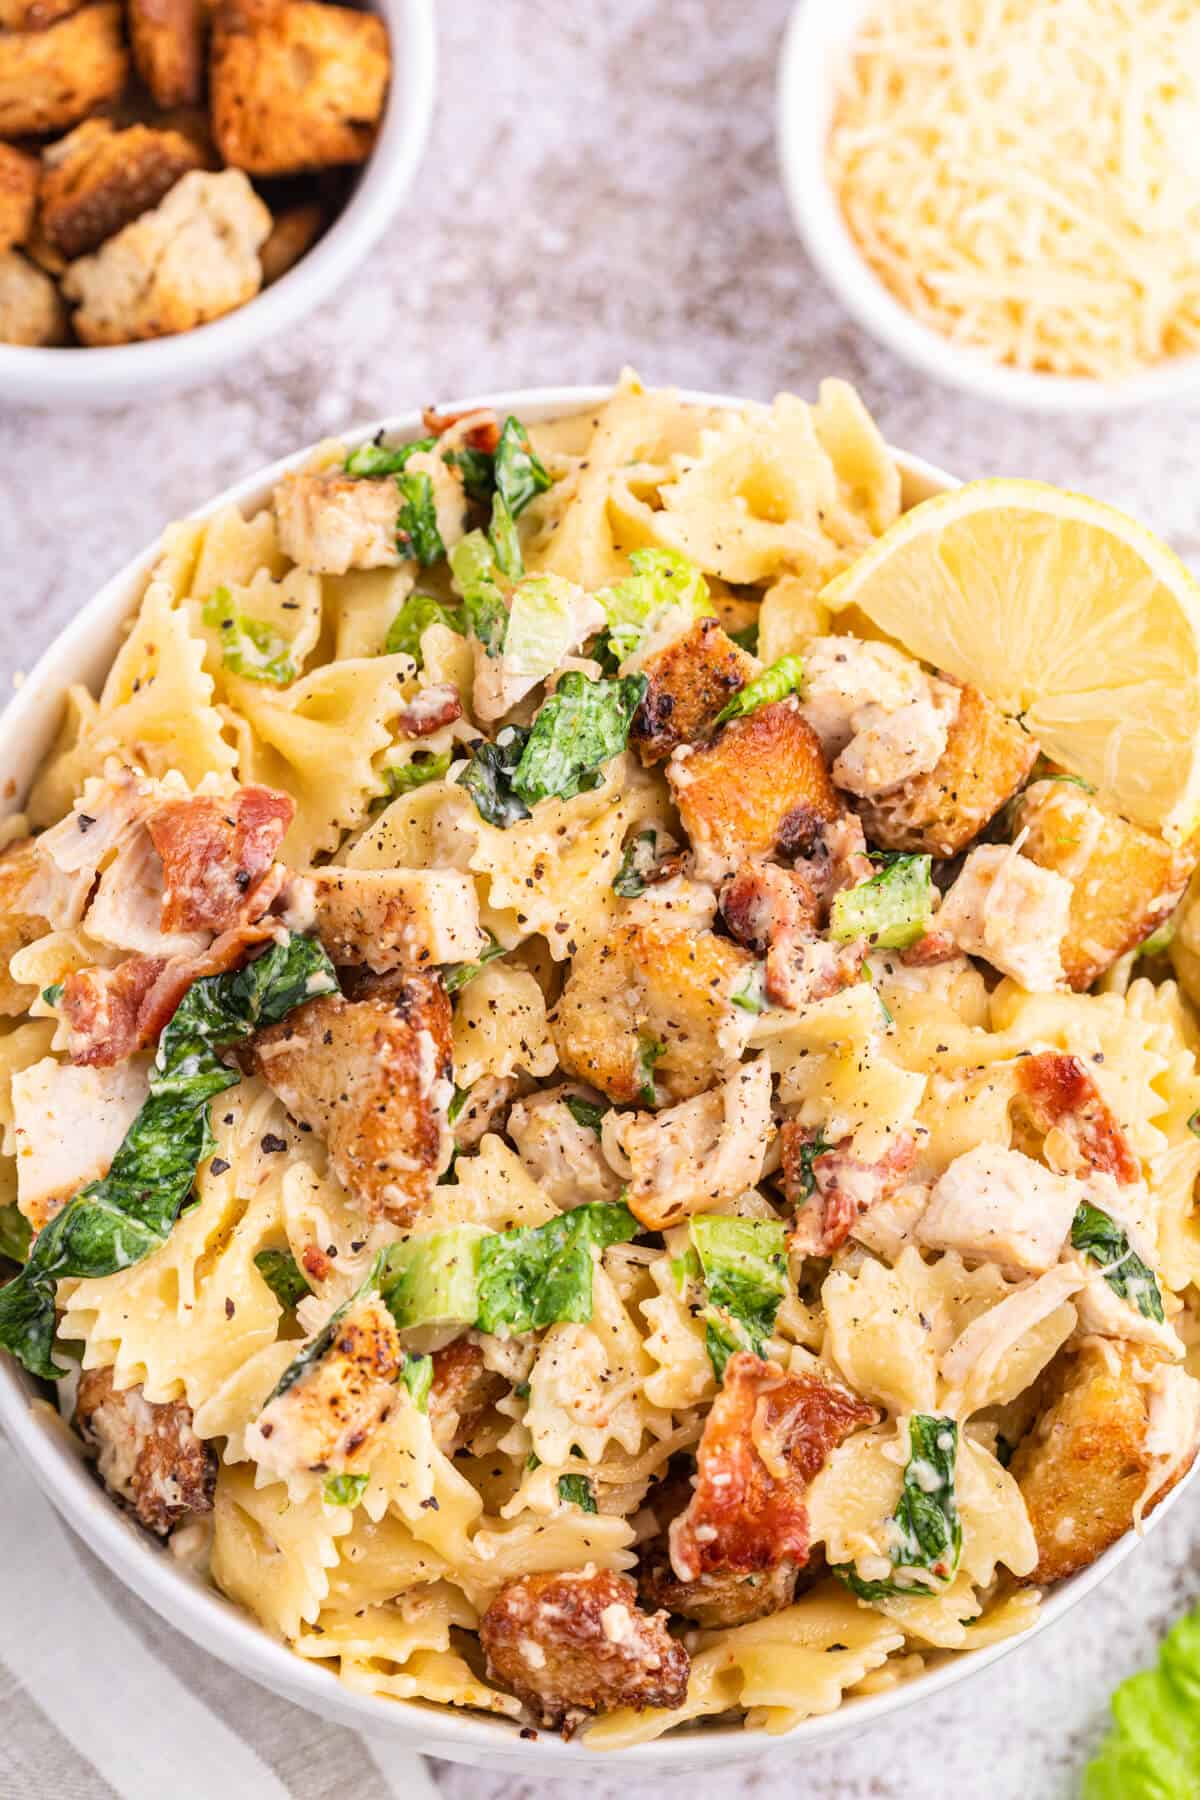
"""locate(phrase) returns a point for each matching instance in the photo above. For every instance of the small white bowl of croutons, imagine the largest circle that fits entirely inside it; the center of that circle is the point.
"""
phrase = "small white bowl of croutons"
(180, 181)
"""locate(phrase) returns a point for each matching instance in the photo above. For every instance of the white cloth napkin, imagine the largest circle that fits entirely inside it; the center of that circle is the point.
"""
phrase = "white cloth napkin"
(98, 1697)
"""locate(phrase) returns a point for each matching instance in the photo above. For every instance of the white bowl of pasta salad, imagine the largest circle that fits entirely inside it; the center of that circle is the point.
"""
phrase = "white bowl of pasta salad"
(566, 1164)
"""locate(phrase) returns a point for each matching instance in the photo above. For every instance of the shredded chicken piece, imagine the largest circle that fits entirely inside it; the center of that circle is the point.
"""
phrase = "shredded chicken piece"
(833, 1190)
(563, 1156)
(880, 718)
(1011, 912)
(694, 1155)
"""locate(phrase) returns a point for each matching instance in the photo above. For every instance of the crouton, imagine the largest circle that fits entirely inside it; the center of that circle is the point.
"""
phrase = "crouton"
(331, 522)
(34, 15)
(148, 1454)
(18, 863)
(652, 1007)
(987, 757)
(18, 195)
(1125, 882)
(576, 1643)
(293, 234)
(762, 785)
(374, 1077)
(691, 679)
(168, 48)
(335, 1400)
(389, 918)
(30, 309)
(298, 87)
(97, 180)
(191, 259)
(51, 79)
(1093, 1456)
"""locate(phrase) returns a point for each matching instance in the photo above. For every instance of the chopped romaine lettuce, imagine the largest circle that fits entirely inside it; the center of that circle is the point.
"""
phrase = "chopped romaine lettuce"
(579, 728)
(417, 532)
(637, 865)
(472, 560)
(249, 647)
(457, 975)
(118, 1220)
(477, 468)
(650, 1051)
(344, 1490)
(1103, 1241)
(809, 1153)
(488, 777)
(743, 1265)
(540, 627)
(543, 1275)
(317, 1347)
(587, 1113)
(1158, 941)
(519, 477)
(53, 994)
(751, 996)
(891, 910)
(1153, 1750)
(432, 1279)
(661, 579)
(15, 1234)
(384, 459)
(747, 638)
(417, 1376)
(926, 1531)
(577, 1490)
(420, 768)
(281, 1272)
(776, 683)
(418, 612)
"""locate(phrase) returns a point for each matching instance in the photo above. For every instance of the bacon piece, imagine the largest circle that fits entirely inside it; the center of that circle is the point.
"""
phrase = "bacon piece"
(482, 431)
(214, 851)
(765, 1439)
(463, 1392)
(110, 1013)
(432, 708)
(576, 1643)
(722, 1598)
(778, 911)
(832, 1191)
(1061, 1095)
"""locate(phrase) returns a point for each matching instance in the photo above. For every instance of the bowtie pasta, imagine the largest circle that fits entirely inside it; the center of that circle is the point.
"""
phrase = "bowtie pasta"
(616, 1150)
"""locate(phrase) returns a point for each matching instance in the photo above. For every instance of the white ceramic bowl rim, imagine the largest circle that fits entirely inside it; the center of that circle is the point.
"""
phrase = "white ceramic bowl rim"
(815, 42)
(83, 652)
(82, 375)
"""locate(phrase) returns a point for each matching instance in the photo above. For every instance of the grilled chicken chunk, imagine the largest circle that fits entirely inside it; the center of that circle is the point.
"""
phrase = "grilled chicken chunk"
(696, 1154)
(374, 1077)
(324, 1418)
(148, 1454)
(388, 918)
(577, 1643)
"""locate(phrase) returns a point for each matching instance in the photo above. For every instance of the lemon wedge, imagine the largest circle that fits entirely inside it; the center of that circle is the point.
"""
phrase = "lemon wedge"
(1065, 613)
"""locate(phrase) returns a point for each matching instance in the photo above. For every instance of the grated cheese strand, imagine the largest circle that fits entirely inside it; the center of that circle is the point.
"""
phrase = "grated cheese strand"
(1024, 175)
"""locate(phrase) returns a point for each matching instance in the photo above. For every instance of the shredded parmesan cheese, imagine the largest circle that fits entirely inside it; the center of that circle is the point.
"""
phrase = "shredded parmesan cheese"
(1024, 175)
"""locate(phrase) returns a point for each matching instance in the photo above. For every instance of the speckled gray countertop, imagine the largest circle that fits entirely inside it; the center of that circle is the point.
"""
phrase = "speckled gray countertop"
(601, 187)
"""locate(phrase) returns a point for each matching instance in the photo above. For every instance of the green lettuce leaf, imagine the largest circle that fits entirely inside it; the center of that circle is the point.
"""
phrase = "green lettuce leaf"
(743, 1265)
(418, 612)
(543, 1275)
(432, 1278)
(15, 1234)
(249, 647)
(519, 477)
(417, 532)
(540, 629)
(637, 865)
(116, 1221)
(344, 1490)
(661, 579)
(477, 468)
(587, 1113)
(926, 1533)
(281, 1272)
(1153, 1750)
(582, 726)
(384, 459)
(489, 775)
(457, 975)
(417, 1376)
(1103, 1241)
(891, 910)
(421, 767)
(776, 683)
(577, 1490)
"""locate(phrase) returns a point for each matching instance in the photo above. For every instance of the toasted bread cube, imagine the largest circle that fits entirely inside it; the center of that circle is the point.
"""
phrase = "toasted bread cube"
(691, 679)
(761, 785)
(1091, 1457)
(987, 757)
(97, 180)
(652, 1005)
(34, 15)
(299, 87)
(168, 48)
(148, 1454)
(1125, 881)
(18, 195)
(293, 234)
(191, 259)
(51, 79)
(31, 311)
